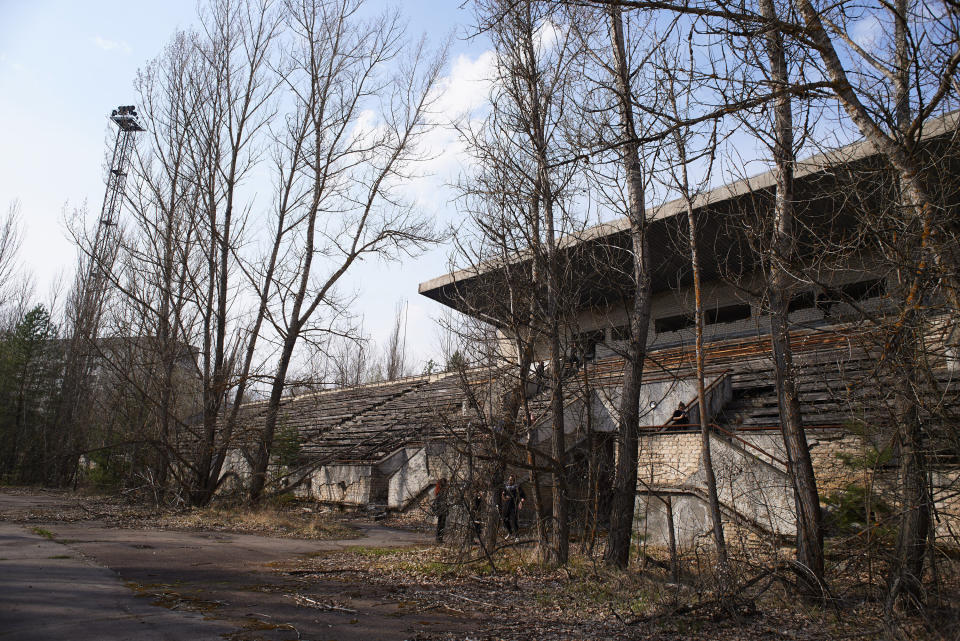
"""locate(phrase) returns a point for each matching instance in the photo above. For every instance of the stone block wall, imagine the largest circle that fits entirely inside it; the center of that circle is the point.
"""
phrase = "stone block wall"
(826, 449)
(668, 459)
(349, 484)
(946, 497)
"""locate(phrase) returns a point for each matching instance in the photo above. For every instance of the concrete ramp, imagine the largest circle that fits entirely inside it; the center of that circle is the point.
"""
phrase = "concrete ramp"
(754, 493)
(392, 482)
(754, 490)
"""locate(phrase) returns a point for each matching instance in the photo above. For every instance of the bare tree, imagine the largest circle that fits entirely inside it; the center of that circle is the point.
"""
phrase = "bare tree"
(505, 341)
(782, 248)
(679, 94)
(344, 173)
(235, 91)
(11, 237)
(890, 92)
(451, 339)
(621, 69)
(158, 252)
(774, 68)
(349, 361)
(205, 103)
(395, 352)
(535, 53)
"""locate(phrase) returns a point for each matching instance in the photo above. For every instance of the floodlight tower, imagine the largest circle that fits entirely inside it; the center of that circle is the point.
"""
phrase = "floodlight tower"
(105, 241)
(92, 287)
(90, 294)
(125, 118)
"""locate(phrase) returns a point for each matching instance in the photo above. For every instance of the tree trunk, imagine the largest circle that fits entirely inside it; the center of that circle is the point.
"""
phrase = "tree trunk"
(705, 454)
(672, 541)
(906, 572)
(625, 477)
(800, 467)
(261, 460)
(560, 532)
(905, 579)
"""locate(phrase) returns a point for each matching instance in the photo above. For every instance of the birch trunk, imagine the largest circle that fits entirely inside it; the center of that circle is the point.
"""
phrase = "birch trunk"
(782, 249)
(625, 475)
(705, 453)
(907, 570)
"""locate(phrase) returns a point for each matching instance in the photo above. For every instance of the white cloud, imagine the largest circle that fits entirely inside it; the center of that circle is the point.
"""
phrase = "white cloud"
(5, 61)
(548, 35)
(867, 32)
(365, 126)
(111, 45)
(463, 95)
(466, 87)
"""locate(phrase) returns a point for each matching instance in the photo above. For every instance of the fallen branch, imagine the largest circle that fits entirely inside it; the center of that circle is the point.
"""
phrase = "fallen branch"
(483, 603)
(319, 605)
(724, 601)
(311, 572)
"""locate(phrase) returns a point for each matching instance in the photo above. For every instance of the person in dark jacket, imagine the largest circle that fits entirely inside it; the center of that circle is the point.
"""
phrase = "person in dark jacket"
(441, 507)
(476, 514)
(680, 415)
(512, 498)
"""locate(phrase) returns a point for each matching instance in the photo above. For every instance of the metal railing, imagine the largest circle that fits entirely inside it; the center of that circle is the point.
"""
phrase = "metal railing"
(733, 436)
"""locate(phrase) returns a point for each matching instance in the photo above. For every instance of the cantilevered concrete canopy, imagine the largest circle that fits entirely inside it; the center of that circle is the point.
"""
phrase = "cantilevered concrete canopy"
(831, 191)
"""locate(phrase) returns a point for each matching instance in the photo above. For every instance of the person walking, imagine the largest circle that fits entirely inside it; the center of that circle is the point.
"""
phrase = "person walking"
(512, 498)
(476, 514)
(441, 506)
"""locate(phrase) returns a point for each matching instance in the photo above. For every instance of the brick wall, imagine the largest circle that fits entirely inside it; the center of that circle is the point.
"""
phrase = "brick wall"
(668, 459)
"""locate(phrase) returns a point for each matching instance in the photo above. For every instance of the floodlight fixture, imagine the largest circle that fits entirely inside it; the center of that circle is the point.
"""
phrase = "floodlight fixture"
(125, 118)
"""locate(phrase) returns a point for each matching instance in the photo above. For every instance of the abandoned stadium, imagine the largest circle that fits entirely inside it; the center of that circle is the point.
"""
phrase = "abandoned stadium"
(383, 445)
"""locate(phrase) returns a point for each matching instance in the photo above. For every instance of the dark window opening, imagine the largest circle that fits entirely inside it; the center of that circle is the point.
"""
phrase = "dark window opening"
(620, 333)
(585, 344)
(728, 314)
(805, 300)
(673, 323)
(864, 289)
(858, 291)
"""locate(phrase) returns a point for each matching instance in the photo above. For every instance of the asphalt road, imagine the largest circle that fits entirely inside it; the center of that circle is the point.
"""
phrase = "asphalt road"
(91, 582)
(50, 591)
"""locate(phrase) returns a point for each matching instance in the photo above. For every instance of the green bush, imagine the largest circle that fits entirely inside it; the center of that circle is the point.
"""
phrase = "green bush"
(847, 514)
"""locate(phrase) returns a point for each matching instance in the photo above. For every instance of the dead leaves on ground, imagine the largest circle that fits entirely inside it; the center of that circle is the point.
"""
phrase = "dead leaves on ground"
(291, 521)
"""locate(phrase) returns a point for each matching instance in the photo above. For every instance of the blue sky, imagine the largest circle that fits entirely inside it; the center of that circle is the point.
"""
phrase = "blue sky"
(64, 66)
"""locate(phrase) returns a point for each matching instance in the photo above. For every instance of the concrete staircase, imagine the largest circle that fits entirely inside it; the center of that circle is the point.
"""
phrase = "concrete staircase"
(754, 491)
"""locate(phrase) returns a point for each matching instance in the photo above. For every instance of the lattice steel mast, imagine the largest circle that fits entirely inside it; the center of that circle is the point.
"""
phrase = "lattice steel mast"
(96, 280)
(105, 241)
(127, 127)
(90, 294)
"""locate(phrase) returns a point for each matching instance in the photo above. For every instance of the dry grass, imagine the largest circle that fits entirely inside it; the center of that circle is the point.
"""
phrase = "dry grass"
(268, 520)
(586, 600)
(291, 520)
